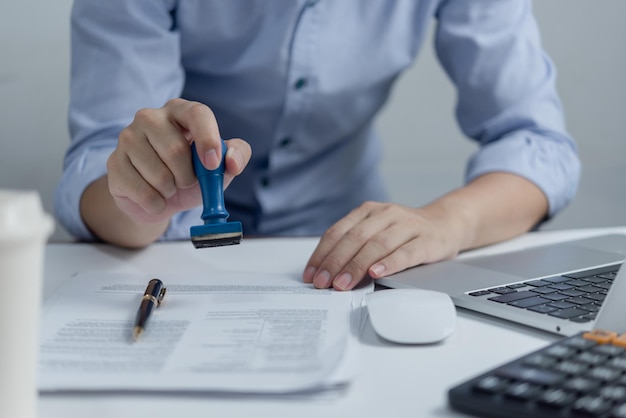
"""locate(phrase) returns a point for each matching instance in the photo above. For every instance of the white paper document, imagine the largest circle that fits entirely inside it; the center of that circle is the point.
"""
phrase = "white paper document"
(261, 334)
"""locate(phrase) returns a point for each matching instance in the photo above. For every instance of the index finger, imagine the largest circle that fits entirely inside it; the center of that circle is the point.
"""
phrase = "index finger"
(198, 121)
(329, 240)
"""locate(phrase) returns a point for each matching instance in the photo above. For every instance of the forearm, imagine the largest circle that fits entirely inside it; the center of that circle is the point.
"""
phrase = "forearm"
(492, 208)
(105, 219)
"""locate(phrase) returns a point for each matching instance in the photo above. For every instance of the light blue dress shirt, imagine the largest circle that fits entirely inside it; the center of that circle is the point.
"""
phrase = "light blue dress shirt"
(301, 81)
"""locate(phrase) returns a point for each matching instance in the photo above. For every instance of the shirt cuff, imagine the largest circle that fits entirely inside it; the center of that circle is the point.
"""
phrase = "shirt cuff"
(549, 161)
(80, 172)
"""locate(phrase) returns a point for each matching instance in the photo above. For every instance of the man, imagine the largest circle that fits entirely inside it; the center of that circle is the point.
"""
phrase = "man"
(301, 82)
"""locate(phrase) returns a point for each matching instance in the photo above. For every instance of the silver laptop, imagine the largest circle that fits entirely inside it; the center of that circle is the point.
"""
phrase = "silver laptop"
(563, 288)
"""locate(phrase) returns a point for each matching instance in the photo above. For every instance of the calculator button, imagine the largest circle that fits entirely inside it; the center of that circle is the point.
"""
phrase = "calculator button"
(620, 341)
(560, 351)
(609, 350)
(592, 405)
(523, 390)
(571, 368)
(530, 374)
(491, 384)
(604, 373)
(619, 411)
(593, 359)
(617, 363)
(600, 336)
(614, 393)
(557, 398)
(540, 360)
(580, 343)
(581, 384)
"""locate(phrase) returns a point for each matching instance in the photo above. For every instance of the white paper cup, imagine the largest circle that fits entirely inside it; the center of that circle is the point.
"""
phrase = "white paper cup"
(24, 230)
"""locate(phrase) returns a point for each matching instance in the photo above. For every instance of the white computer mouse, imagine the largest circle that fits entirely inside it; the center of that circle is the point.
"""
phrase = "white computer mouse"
(411, 316)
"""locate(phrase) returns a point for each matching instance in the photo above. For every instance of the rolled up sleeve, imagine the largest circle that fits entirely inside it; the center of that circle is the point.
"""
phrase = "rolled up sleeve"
(125, 56)
(507, 100)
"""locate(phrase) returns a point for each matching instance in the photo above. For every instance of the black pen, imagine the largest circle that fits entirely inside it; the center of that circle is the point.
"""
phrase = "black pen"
(152, 297)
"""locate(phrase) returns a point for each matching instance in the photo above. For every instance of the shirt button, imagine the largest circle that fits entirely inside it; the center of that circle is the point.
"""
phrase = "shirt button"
(265, 181)
(300, 83)
(285, 142)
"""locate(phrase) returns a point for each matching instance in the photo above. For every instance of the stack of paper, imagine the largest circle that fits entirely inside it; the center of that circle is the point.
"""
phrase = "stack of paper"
(225, 332)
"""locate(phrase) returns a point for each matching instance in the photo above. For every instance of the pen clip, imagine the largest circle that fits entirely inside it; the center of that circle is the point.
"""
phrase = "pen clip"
(161, 296)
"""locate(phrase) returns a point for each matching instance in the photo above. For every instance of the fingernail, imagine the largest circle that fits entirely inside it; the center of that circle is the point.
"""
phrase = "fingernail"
(233, 154)
(308, 274)
(343, 282)
(378, 269)
(210, 159)
(322, 280)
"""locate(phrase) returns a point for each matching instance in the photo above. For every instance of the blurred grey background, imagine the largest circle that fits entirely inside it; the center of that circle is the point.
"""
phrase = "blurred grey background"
(425, 152)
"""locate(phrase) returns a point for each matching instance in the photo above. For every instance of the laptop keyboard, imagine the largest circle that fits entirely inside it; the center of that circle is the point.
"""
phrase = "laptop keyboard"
(576, 297)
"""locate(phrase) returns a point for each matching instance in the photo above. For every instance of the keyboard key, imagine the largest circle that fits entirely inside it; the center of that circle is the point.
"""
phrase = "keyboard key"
(572, 293)
(596, 296)
(557, 279)
(568, 313)
(579, 301)
(516, 285)
(561, 286)
(582, 319)
(480, 293)
(576, 283)
(542, 309)
(543, 290)
(513, 296)
(537, 283)
(501, 290)
(561, 304)
(591, 307)
(605, 285)
(588, 289)
(527, 303)
(555, 296)
(595, 280)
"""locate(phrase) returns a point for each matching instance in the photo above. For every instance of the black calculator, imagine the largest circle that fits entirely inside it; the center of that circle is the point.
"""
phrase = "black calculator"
(579, 376)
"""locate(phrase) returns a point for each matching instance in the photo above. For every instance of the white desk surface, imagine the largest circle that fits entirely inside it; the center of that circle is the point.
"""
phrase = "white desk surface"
(394, 380)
